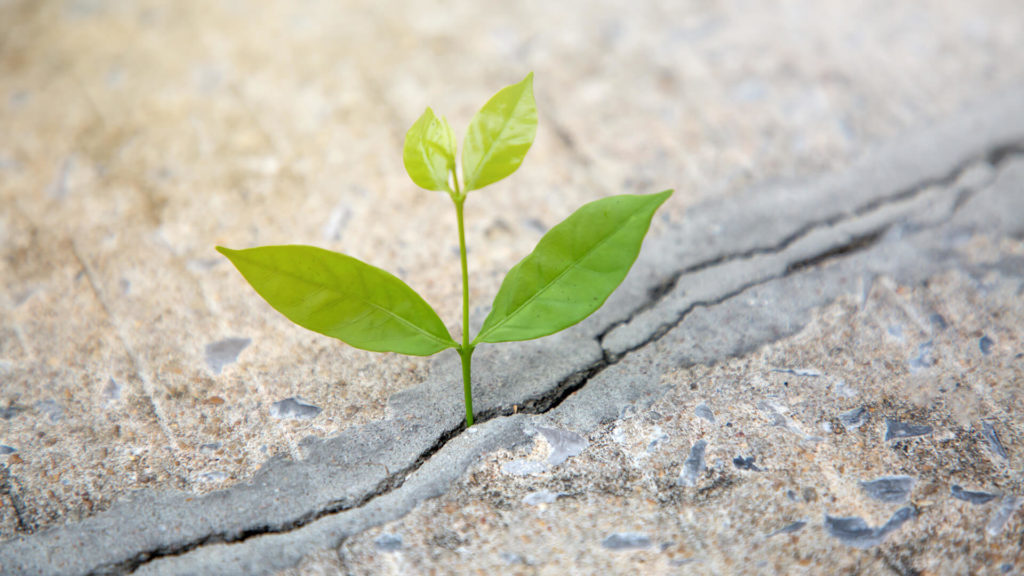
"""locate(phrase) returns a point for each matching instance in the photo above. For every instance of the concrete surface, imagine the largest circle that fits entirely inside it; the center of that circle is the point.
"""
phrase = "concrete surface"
(840, 266)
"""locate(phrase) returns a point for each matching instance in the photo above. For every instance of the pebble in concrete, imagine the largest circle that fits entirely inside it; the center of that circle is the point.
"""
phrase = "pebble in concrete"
(891, 489)
(789, 528)
(4, 449)
(854, 531)
(627, 541)
(704, 412)
(564, 444)
(853, 419)
(1007, 506)
(523, 467)
(745, 463)
(213, 476)
(209, 447)
(223, 352)
(541, 497)
(924, 358)
(658, 437)
(51, 409)
(388, 542)
(971, 496)
(693, 467)
(112, 391)
(10, 412)
(994, 443)
(809, 372)
(938, 321)
(293, 408)
(896, 430)
(985, 345)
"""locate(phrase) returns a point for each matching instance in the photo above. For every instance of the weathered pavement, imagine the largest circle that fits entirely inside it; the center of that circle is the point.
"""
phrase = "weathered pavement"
(756, 373)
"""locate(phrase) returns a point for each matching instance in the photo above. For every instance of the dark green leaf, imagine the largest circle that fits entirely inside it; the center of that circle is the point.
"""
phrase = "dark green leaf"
(344, 298)
(573, 269)
(429, 152)
(500, 135)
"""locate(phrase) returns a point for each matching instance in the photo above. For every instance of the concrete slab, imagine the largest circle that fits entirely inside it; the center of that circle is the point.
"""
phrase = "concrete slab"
(152, 406)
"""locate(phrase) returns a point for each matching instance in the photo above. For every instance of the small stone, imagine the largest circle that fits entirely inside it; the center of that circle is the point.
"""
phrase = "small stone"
(938, 321)
(704, 412)
(972, 497)
(985, 345)
(789, 528)
(924, 358)
(564, 444)
(112, 391)
(10, 412)
(1007, 506)
(511, 558)
(626, 541)
(745, 463)
(51, 409)
(293, 409)
(845, 390)
(388, 542)
(210, 448)
(854, 531)
(693, 467)
(988, 430)
(891, 489)
(212, 476)
(895, 430)
(853, 419)
(223, 352)
(658, 437)
(523, 467)
(541, 497)
(809, 372)
(5, 450)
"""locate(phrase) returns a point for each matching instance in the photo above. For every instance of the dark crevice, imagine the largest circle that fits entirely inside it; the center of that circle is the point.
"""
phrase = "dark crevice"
(995, 157)
(577, 380)
(859, 243)
(25, 526)
(388, 484)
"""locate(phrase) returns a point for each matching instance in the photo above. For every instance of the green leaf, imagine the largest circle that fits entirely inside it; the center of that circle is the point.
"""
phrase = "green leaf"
(573, 269)
(429, 152)
(500, 135)
(344, 298)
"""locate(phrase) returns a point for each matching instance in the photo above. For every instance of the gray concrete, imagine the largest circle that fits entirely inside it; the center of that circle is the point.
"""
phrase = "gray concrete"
(844, 174)
(755, 279)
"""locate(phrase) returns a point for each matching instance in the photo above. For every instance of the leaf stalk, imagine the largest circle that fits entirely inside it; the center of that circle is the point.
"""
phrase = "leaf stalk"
(466, 350)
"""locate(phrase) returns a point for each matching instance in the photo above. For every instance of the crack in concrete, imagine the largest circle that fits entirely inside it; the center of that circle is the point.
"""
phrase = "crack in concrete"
(996, 157)
(551, 399)
(25, 525)
(390, 483)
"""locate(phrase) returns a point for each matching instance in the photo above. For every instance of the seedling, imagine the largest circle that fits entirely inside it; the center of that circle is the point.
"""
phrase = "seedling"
(567, 277)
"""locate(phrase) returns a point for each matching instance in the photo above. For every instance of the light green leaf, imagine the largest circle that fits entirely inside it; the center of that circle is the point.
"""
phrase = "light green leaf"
(429, 152)
(344, 298)
(500, 135)
(573, 269)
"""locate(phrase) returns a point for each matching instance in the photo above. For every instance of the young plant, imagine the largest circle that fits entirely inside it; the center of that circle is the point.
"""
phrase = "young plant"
(567, 277)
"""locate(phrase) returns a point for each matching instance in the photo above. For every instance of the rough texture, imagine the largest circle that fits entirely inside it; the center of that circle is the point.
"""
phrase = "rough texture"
(155, 414)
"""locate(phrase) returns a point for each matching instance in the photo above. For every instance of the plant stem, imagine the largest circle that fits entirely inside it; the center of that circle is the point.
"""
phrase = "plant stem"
(466, 350)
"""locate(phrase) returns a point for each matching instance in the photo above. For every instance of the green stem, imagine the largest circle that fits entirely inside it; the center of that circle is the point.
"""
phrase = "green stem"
(466, 350)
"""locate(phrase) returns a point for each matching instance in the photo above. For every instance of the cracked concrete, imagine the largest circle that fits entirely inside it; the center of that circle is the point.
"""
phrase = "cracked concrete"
(348, 480)
(145, 452)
